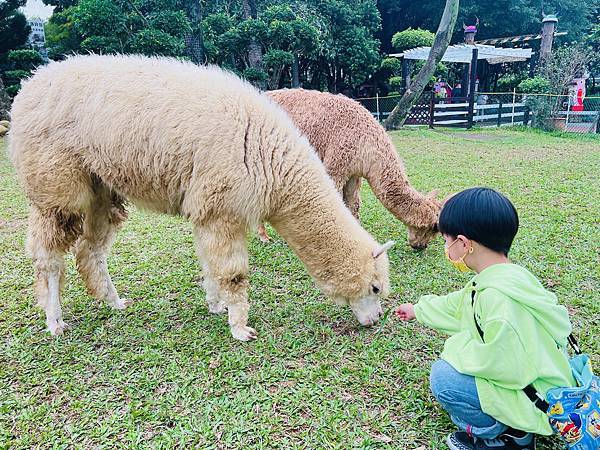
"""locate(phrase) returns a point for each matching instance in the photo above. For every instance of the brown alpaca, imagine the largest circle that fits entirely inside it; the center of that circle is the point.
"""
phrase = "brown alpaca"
(352, 145)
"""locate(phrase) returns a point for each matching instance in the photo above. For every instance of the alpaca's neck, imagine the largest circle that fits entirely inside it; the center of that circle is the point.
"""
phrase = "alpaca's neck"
(322, 232)
(389, 183)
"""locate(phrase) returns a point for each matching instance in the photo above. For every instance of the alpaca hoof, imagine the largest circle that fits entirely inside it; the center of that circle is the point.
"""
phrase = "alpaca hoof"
(264, 238)
(121, 303)
(57, 327)
(243, 333)
(217, 308)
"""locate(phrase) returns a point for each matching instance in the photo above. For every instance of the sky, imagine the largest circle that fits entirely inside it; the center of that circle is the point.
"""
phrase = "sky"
(36, 8)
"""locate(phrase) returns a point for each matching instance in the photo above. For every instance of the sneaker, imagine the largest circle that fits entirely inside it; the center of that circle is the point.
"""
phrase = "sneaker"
(510, 440)
(460, 440)
(519, 440)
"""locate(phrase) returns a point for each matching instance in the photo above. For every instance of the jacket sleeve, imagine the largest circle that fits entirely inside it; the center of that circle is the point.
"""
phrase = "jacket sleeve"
(440, 311)
(501, 343)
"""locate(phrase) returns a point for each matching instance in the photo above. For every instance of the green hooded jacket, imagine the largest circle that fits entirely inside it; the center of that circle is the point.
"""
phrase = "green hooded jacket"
(524, 341)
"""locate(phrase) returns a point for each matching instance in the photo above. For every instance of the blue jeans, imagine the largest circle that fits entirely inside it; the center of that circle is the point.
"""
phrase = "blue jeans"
(457, 393)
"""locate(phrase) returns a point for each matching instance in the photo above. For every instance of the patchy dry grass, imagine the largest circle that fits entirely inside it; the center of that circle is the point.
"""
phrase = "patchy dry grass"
(165, 373)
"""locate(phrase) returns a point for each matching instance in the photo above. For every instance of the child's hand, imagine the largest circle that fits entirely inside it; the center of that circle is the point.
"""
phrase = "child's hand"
(406, 311)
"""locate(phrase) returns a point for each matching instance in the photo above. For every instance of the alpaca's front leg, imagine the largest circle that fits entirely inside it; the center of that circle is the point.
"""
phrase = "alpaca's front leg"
(222, 249)
(351, 194)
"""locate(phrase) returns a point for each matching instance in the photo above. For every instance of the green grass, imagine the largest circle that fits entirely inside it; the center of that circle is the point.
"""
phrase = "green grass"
(165, 373)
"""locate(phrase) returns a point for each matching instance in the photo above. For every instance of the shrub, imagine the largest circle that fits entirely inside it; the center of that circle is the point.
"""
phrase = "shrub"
(391, 65)
(535, 85)
(395, 83)
(253, 75)
(411, 38)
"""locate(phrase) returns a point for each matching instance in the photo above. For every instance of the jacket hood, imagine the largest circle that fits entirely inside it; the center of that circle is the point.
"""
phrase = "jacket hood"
(522, 287)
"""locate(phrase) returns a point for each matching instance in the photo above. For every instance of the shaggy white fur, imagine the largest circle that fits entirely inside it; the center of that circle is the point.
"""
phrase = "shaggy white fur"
(92, 132)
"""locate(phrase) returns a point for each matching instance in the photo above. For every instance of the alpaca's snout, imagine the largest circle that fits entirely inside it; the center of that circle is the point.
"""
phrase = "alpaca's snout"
(367, 311)
(418, 247)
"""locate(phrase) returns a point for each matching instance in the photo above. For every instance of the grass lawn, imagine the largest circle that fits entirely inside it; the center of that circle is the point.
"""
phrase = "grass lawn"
(165, 373)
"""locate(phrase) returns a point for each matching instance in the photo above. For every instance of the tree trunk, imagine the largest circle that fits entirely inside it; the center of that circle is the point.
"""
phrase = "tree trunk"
(440, 44)
(254, 50)
(194, 43)
(296, 72)
(275, 77)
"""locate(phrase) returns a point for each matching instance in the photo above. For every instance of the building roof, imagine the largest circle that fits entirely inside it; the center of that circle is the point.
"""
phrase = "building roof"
(464, 52)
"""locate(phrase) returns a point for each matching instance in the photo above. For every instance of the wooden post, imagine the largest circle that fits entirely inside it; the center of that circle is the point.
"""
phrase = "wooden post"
(464, 91)
(512, 118)
(432, 109)
(499, 114)
(377, 100)
(472, 80)
(405, 74)
(548, 26)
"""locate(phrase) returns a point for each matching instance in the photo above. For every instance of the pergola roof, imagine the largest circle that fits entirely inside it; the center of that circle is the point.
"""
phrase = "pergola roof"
(463, 53)
(517, 39)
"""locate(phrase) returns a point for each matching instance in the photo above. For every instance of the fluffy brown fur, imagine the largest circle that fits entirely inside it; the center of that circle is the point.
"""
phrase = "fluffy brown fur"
(352, 145)
(89, 133)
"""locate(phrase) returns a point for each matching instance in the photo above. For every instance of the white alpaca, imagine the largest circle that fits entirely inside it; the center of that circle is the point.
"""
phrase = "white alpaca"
(92, 132)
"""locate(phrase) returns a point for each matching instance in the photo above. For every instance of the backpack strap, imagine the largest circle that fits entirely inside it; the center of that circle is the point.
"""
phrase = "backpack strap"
(535, 398)
(574, 345)
(479, 330)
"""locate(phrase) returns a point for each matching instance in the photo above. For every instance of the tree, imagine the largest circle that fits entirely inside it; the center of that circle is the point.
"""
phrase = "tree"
(281, 33)
(20, 65)
(150, 27)
(349, 52)
(289, 37)
(62, 37)
(413, 92)
(13, 26)
(13, 34)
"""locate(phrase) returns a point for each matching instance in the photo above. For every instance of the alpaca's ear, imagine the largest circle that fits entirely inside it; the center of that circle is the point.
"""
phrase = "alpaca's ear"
(433, 194)
(382, 249)
(448, 197)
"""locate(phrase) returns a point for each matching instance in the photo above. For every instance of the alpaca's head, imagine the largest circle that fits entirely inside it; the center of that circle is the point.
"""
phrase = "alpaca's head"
(420, 236)
(365, 299)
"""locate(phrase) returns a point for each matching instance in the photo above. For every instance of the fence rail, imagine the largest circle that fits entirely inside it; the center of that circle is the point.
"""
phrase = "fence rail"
(495, 109)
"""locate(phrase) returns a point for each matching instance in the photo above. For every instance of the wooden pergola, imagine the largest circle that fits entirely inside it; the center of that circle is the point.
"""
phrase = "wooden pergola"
(470, 54)
(465, 54)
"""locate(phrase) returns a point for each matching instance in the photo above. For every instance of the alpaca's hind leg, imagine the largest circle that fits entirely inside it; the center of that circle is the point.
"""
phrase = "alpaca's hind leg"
(262, 233)
(102, 220)
(51, 233)
(216, 305)
(351, 193)
(222, 249)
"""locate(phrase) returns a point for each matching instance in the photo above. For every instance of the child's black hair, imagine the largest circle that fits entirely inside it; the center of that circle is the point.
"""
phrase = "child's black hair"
(483, 215)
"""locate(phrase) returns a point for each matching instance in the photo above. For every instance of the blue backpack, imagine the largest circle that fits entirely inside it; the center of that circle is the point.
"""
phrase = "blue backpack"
(574, 413)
